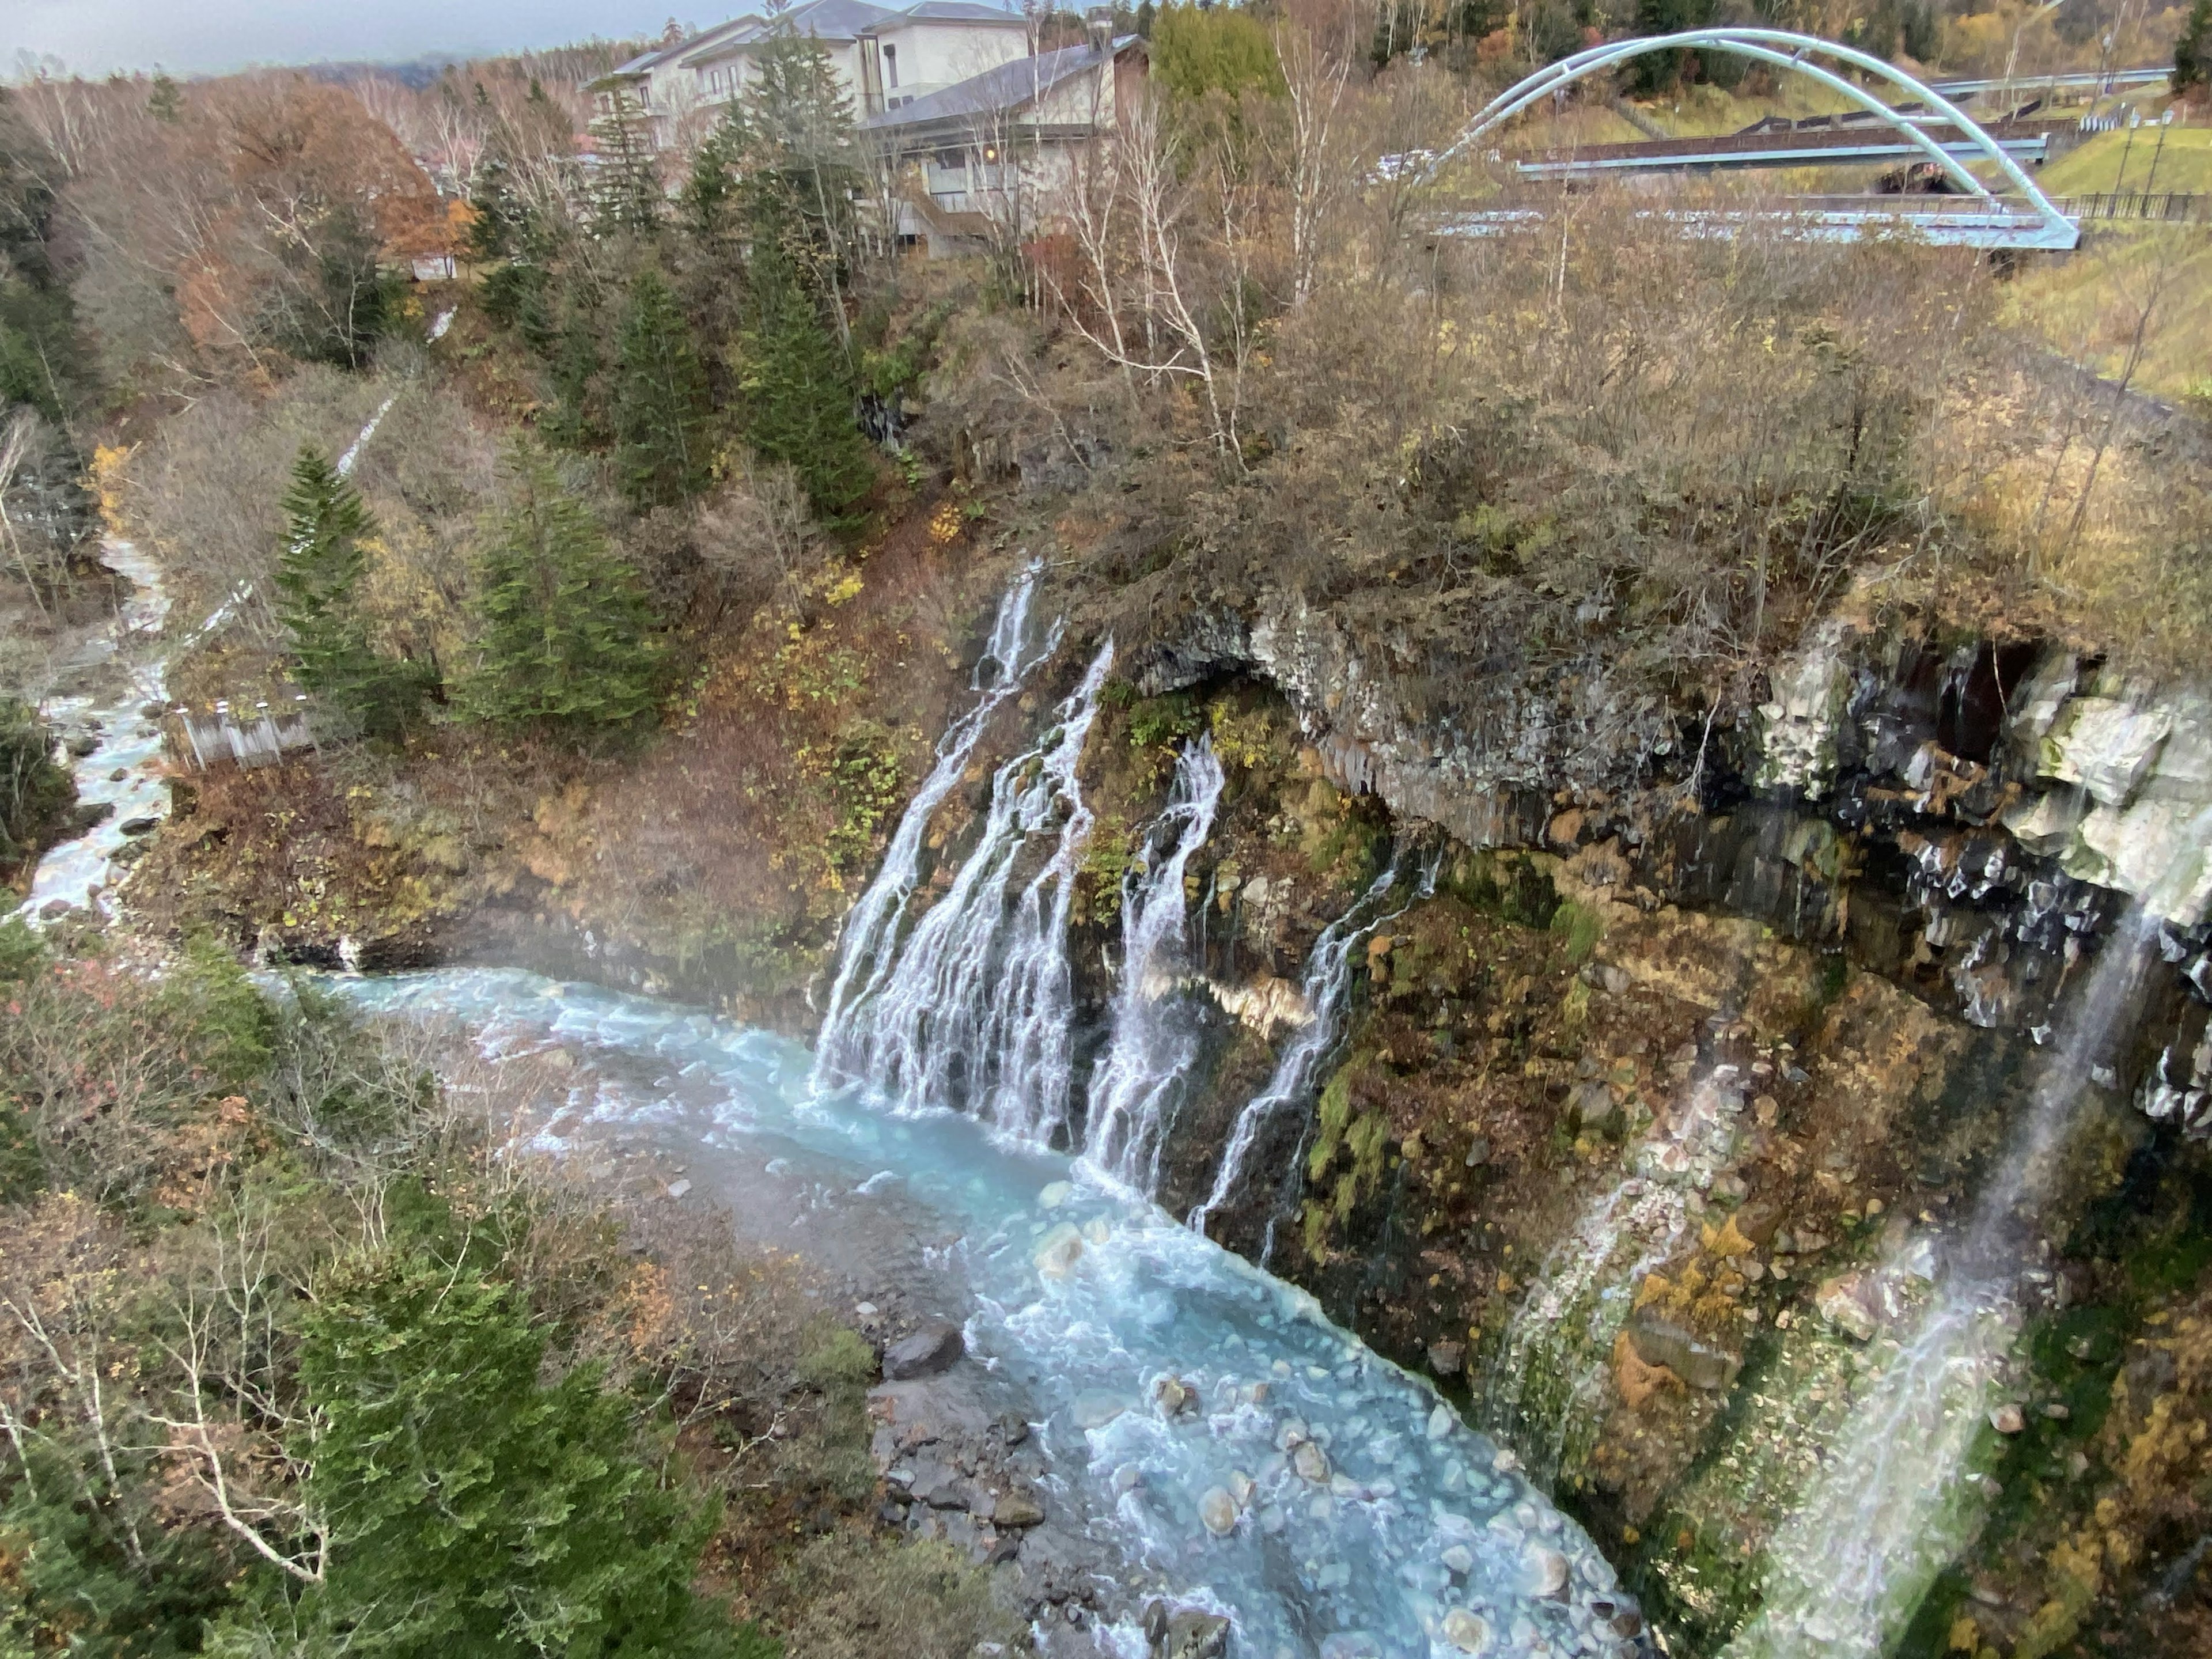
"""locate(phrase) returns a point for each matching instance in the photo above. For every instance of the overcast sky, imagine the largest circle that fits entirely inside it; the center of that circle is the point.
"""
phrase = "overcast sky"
(193, 36)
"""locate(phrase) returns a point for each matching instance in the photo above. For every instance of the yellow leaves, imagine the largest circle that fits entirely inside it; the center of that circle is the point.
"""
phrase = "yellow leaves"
(1727, 1240)
(108, 483)
(945, 525)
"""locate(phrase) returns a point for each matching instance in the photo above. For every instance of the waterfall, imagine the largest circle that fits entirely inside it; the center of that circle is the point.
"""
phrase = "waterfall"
(999, 673)
(1327, 988)
(974, 1007)
(1895, 1502)
(1134, 1087)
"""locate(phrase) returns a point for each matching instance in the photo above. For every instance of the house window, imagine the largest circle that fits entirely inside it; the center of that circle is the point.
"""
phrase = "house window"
(891, 65)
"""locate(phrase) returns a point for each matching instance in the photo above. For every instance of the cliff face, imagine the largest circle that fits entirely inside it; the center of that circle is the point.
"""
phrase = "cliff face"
(1652, 1115)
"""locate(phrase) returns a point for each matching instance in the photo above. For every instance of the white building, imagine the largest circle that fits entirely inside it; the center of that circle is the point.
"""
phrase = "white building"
(991, 156)
(886, 56)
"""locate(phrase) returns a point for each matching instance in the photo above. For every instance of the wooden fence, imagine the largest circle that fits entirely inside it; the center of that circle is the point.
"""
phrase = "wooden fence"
(227, 738)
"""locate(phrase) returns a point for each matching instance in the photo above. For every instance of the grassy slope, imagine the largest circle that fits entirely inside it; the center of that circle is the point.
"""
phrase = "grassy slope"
(2087, 306)
(2095, 166)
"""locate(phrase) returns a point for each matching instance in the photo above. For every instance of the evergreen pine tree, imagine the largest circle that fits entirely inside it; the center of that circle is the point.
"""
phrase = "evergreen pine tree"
(626, 194)
(661, 404)
(798, 392)
(573, 365)
(484, 1510)
(318, 602)
(711, 194)
(2192, 52)
(561, 621)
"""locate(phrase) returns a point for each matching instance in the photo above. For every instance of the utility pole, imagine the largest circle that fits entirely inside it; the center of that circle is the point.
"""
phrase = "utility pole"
(2135, 120)
(2164, 122)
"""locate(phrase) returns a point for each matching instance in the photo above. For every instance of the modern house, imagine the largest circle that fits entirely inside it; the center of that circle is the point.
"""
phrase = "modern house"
(886, 56)
(985, 159)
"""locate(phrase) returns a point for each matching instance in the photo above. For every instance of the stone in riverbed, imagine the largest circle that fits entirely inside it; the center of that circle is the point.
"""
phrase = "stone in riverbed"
(1194, 1635)
(2008, 1419)
(1174, 1396)
(1018, 1509)
(1460, 1559)
(1218, 1509)
(1468, 1632)
(1544, 1573)
(1445, 1359)
(1440, 1421)
(928, 1351)
(139, 826)
(1058, 1251)
(1310, 1461)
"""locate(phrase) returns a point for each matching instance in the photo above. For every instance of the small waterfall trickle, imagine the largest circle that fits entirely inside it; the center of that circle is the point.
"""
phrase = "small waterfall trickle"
(1895, 1501)
(974, 1009)
(1552, 1364)
(1327, 987)
(1135, 1085)
(874, 923)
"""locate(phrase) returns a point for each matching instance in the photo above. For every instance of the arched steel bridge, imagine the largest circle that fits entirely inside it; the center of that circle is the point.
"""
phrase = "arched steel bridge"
(2023, 217)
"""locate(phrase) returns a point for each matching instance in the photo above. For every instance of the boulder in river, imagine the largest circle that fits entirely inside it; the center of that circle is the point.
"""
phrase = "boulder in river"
(1310, 1461)
(1544, 1572)
(1058, 1251)
(1186, 1634)
(928, 1351)
(1468, 1632)
(1218, 1509)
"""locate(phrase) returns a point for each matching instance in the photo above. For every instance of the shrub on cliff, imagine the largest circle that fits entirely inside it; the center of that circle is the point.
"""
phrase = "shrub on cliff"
(561, 623)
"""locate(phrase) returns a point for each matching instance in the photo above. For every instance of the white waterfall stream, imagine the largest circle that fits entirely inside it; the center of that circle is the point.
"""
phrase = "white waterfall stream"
(974, 1008)
(873, 925)
(1551, 1366)
(1895, 1501)
(1327, 988)
(1136, 1083)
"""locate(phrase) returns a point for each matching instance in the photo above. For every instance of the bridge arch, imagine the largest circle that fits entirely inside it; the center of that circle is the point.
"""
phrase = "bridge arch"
(1784, 50)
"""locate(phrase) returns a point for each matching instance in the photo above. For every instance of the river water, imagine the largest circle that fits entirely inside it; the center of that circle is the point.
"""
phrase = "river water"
(1372, 1520)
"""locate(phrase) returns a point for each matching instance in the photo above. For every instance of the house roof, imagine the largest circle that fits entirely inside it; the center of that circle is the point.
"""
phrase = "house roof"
(997, 91)
(840, 20)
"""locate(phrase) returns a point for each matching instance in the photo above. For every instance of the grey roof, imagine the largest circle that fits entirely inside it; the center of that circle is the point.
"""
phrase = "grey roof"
(995, 91)
(837, 20)
(959, 11)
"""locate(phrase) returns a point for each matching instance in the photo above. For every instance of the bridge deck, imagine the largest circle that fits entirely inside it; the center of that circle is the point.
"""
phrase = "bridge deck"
(1822, 146)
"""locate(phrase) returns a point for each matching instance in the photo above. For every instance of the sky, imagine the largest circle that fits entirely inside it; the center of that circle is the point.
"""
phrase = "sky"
(93, 37)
